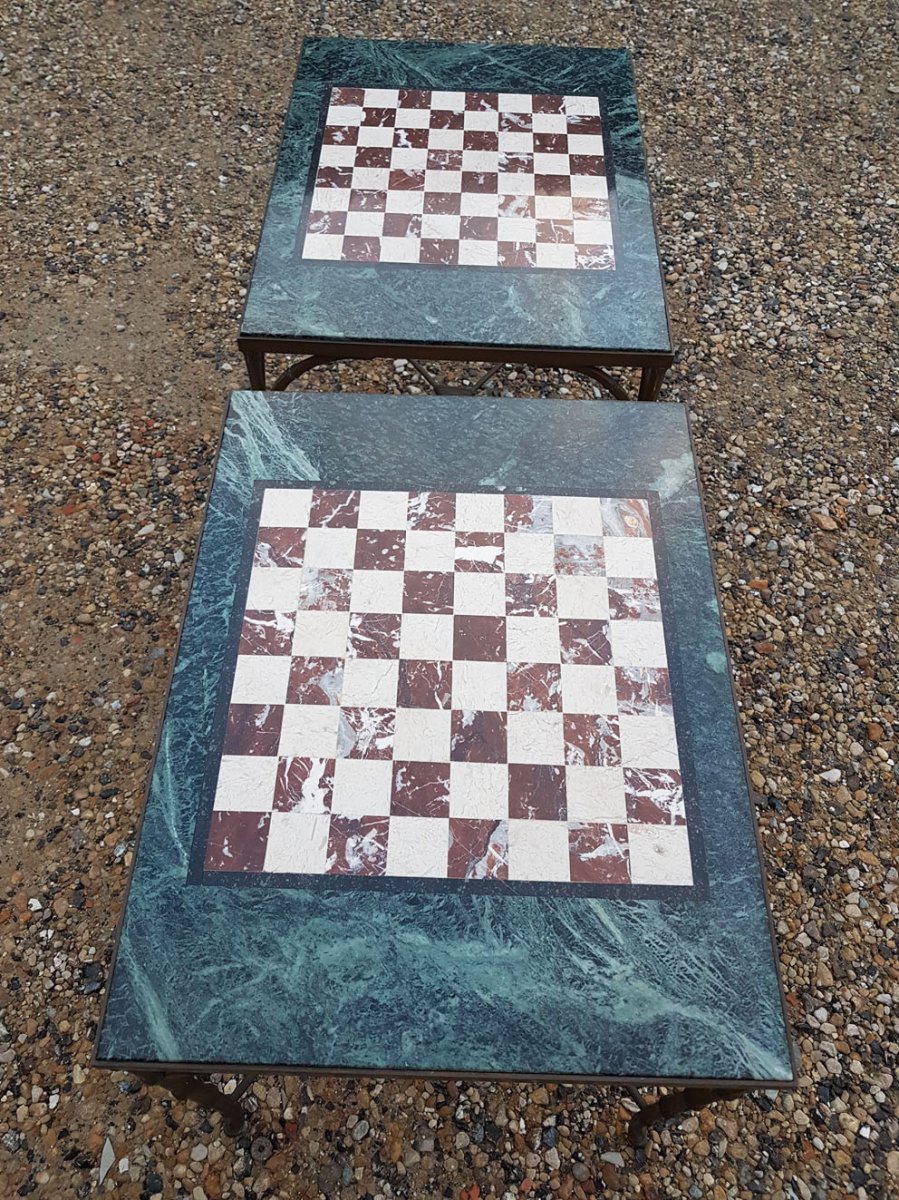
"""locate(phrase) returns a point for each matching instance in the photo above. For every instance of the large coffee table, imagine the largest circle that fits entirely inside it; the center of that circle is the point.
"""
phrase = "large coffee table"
(465, 202)
(450, 779)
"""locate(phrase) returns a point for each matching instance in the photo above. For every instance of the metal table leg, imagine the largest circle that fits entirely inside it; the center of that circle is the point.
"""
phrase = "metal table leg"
(203, 1093)
(650, 382)
(674, 1104)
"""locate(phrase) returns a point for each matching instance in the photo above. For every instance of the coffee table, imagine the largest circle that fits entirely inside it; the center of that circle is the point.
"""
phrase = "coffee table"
(450, 779)
(460, 202)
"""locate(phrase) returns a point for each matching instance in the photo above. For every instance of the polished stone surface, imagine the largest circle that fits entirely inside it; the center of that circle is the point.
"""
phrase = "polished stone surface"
(465, 981)
(331, 268)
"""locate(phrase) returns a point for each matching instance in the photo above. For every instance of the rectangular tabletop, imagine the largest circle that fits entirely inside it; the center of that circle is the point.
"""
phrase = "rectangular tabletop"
(460, 195)
(450, 777)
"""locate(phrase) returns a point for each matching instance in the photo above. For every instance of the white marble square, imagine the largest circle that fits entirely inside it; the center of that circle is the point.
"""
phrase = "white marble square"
(405, 202)
(587, 689)
(530, 554)
(586, 143)
(443, 181)
(454, 101)
(331, 200)
(440, 225)
(577, 514)
(418, 847)
(550, 123)
(479, 686)
(551, 164)
(337, 156)
(538, 850)
(309, 731)
(426, 635)
(582, 596)
(377, 591)
(362, 787)
(260, 679)
(630, 558)
(327, 547)
(480, 593)
(560, 255)
(370, 682)
(479, 791)
(478, 254)
(535, 737)
(595, 794)
(321, 634)
(515, 102)
(274, 588)
(583, 106)
(381, 98)
(480, 512)
(660, 854)
(446, 139)
(323, 246)
(297, 843)
(361, 224)
(374, 179)
(638, 643)
(593, 233)
(515, 142)
(484, 118)
(422, 734)
(246, 783)
(589, 185)
(648, 742)
(479, 204)
(532, 640)
(408, 158)
(553, 208)
(345, 114)
(516, 229)
(376, 135)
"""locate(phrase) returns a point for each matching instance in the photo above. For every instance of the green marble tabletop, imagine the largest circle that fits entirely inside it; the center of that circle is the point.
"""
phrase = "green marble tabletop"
(450, 778)
(460, 195)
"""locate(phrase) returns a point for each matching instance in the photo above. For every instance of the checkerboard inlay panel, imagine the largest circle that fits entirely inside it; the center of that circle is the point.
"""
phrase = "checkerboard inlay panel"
(454, 686)
(461, 179)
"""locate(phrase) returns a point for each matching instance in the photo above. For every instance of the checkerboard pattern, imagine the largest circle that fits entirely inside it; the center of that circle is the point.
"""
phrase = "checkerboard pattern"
(457, 686)
(461, 179)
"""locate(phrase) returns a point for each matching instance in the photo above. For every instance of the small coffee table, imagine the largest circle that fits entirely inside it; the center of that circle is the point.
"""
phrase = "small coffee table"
(450, 779)
(460, 202)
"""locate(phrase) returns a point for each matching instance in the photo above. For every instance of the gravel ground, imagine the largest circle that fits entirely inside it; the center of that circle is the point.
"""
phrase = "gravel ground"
(137, 148)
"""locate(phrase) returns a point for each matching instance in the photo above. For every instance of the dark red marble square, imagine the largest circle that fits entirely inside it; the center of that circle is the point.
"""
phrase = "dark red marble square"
(626, 518)
(375, 157)
(304, 785)
(587, 164)
(374, 635)
(550, 143)
(478, 228)
(510, 122)
(480, 552)
(340, 135)
(334, 177)
(414, 98)
(402, 225)
(335, 508)
(480, 139)
(425, 683)
(643, 691)
(237, 841)
(367, 200)
(347, 97)
(537, 792)
(432, 510)
(439, 252)
(516, 206)
(366, 733)
(654, 797)
(585, 642)
(534, 687)
(634, 600)
(410, 139)
(552, 185)
(481, 101)
(325, 588)
(516, 164)
(266, 632)
(315, 681)
(478, 736)
(559, 232)
(326, 222)
(530, 596)
(481, 639)
(580, 554)
(428, 592)
(583, 124)
(517, 254)
(444, 160)
(253, 729)
(443, 203)
(442, 118)
(480, 181)
(593, 258)
(478, 849)
(598, 853)
(358, 846)
(379, 116)
(528, 514)
(548, 104)
(380, 549)
(279, 547)
(593, 208)
(406, 181)
(420, 789)
(591, 740)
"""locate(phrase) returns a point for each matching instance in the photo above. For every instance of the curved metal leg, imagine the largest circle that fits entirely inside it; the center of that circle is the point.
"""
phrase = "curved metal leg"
(675, 1104)
(602, 377)
(300, 367)
(453, 389)
(207, 1095)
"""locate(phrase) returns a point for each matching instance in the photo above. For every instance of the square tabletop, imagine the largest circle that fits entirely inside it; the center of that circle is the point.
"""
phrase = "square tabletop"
(450, 777)
(461, 195)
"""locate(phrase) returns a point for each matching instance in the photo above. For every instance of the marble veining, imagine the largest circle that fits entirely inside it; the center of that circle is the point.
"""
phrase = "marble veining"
(453, 982)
